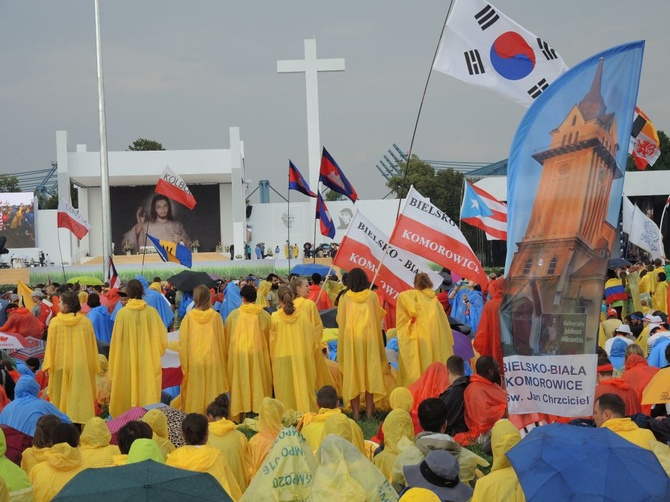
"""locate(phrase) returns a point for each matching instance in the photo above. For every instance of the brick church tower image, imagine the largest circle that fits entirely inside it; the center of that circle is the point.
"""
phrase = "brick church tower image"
(560, 264)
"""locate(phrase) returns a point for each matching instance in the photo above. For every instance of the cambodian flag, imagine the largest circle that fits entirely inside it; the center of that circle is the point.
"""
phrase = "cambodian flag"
(297, 182)
(327, 225)
(332, 176)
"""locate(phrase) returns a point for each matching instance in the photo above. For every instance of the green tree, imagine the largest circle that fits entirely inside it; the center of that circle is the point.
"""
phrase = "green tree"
(9, 183)
(143, 145)
(663, 162)
(332, 195)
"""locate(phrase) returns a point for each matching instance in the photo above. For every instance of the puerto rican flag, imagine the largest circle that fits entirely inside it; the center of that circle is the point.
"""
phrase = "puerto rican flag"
(172, 186)
(332, 176)
(69, 217)
(482, 210)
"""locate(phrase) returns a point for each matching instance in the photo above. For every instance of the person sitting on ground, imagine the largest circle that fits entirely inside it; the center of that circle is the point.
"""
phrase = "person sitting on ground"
(453, 397)
(269, 425)
(611, 323)
(502, 483)
(319, 297)
(144, 449)
(313, 425)
(41, 442)
(158, 423)
(22, 322)
(398, 425)
(198, 456)
(485, 400)
(223, 435)
(341, 425)
(63, 463)
(432, 383)
(95, 448)
(607, 384)
(127, 435)
(17, 481)
(609, 411)
(400, 398)
(23, 413)
(638, 373)
(438, 472)
(42, 378)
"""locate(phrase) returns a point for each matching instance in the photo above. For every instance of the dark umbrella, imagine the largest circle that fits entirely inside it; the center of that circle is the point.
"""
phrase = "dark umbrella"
(328, 318)
(147, 480)
(560, 462)
(618, 263)
(188, 280)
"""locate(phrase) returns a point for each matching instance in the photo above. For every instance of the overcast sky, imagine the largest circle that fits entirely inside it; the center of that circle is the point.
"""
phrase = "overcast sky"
(183, 72)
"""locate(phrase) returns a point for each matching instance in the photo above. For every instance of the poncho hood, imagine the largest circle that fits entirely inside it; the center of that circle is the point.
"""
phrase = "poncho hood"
(95, 434)
(360, 297)
(203, 317)
(63, 457)
(26, 387)
(144, 449)
(504, 435)
(251, 308)
(221, 427)
(134, 304)
(196, 458)
(70, 319)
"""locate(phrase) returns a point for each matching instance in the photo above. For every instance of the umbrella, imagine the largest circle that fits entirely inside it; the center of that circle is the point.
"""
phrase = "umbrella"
(462, 345)
(559, 462)
(309, 269)
(147, 480)
(328, 318)
(216, 278)
(115, 424)
(11, 342)
(32, 348)
(87, 280)
(618, 263)
(188, 280)
(658, 389)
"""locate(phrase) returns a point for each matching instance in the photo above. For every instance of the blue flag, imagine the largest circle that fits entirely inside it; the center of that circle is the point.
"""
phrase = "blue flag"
(323, 215)
(297, 182)
(332, 176)
(170, 251)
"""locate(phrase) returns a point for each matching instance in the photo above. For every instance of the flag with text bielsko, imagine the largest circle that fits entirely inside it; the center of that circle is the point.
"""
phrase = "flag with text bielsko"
(564, 184)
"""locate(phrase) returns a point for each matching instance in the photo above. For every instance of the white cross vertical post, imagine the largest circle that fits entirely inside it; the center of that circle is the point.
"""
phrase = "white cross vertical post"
(310, 66)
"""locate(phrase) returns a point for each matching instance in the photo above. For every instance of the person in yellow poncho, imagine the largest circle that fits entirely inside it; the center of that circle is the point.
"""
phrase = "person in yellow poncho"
(63, 463)
(262, 294)
(202, 354)
(609, 411)
(41, 442)
(198, 456)
(424, 334)
(103, 386)
(156, 285)
(341, 425)
(139, 339)
(333, 288)
(223, 435)
(313, 425)
(95, 448)
(660, 300)
(360, 349)
(247, 332)
(159, 427)
(398, 424)
(502, 483)
(71, 361)
(300, 290)
(269, 425)
(292, 348)
(644, 287)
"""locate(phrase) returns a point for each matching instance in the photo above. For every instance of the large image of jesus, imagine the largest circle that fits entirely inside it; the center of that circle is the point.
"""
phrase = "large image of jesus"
(160, 224)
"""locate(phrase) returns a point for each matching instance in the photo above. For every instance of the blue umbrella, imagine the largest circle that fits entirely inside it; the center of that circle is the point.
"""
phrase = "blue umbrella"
(560, 462)
(310, 268)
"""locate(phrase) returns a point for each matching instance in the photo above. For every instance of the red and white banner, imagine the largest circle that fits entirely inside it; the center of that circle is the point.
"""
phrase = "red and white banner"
(363, 247)
(171, 185)
(69, 217)
(425, 230)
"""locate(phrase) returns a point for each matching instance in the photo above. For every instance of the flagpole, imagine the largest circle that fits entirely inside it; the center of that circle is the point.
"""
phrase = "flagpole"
(316, 207)
(462, 199)
(104, 170)
(660, 226)
(288, 222)
(60, 251)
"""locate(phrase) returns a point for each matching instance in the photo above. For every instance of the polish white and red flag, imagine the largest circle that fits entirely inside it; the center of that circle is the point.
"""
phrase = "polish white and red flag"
(70, 218)
(174, 187)
(363, 246)
(427, 231)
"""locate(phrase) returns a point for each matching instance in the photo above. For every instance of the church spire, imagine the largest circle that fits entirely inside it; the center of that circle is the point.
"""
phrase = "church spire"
(593, 105)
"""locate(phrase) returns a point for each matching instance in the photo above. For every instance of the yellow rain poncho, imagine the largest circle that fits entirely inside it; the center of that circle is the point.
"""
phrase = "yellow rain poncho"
(346, 428)
(31, 457)
(401, 399)
(262, 294)
(247, 333)
(269, 425)
(144, 449)
(333, 289)
(206, 459)
(323, 374)
(502, 482)
(48, 478)
(94, 444)
(158, 423)
(224, 436)
(139, 340)
(292, 349)
(660, 298)
(424, 334)
(629, 430)
(103, 386)
(202, 354)
(314, 426)
(344, 473)
(71, 361)
(360, 349)
(398, 424)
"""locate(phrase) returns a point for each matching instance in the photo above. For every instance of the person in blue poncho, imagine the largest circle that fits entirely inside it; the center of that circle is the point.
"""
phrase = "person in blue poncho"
(231, 300)
(158, 301)
(474, 304)
(23, 413)
(100, 318)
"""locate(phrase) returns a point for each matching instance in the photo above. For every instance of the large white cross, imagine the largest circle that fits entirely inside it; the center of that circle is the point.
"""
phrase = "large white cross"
(310, 66)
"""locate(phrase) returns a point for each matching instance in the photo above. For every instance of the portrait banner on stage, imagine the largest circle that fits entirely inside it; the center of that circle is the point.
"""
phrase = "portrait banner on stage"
(17, 219)
(564, 185)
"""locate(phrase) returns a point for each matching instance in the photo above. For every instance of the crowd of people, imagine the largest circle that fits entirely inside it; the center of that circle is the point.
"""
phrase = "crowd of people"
(254, 354)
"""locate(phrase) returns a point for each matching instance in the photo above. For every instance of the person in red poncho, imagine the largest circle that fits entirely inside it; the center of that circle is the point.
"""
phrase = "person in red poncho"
(22, 322)
(487, 339)
(637, 374)
(432, 383)
(318, 295)
(485, 400)
(609, 385)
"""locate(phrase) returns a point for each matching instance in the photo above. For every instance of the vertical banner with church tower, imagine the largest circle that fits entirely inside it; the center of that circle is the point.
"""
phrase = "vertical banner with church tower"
(565, 181)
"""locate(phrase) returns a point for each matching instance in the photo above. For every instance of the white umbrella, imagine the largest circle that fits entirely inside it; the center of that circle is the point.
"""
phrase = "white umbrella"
(10, 342)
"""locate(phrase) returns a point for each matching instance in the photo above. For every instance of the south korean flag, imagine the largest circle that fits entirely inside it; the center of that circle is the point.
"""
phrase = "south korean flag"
(484, 47)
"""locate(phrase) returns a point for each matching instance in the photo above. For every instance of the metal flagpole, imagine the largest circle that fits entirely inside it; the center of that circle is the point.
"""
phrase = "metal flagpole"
(104, 170)
(288, 225)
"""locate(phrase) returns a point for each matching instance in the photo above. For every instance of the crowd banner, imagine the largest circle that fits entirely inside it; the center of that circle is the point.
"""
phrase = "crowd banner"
(363, 246)
(427, 231)
(564, 185)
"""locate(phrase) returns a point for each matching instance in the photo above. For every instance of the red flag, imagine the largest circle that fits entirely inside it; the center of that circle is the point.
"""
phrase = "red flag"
(323, 215)
(332, 176)
(69, 217)
(645, 147)
(171, 185)
(425, 230)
